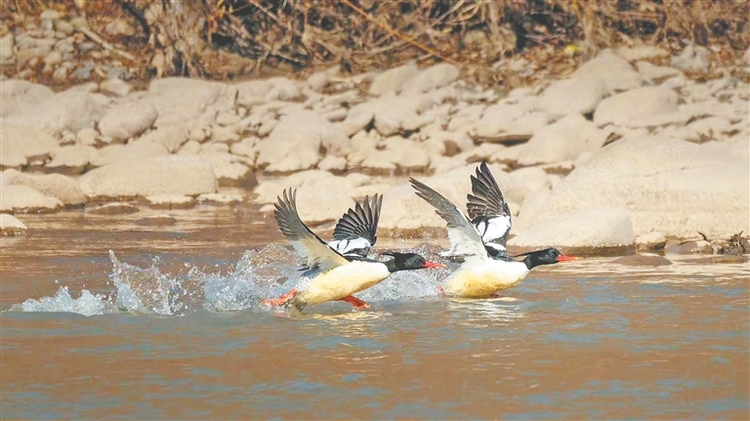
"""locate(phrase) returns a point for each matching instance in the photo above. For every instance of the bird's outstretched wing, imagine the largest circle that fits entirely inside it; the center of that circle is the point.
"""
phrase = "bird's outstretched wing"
(355, 232)
(488, 211)
(465, 239)
(314, 250)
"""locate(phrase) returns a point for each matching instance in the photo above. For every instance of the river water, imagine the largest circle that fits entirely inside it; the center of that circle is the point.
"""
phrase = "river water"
(105, 318)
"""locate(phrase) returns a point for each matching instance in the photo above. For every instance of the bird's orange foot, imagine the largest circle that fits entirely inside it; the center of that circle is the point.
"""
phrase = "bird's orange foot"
(496, 294)
(281, 300)
(442, 290)
(356, 302)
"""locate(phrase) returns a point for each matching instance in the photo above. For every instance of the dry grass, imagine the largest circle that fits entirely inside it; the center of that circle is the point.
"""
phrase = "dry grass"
(181, 38)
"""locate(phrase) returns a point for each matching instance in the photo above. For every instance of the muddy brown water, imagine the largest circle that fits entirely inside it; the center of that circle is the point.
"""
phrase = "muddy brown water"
(103, 318)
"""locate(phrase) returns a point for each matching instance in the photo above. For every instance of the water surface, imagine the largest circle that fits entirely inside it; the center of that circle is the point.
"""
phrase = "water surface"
(103, 318)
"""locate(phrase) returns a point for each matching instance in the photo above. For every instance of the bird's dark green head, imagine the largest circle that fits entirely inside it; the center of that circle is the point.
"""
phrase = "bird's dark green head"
(548, 256)
(408, 261)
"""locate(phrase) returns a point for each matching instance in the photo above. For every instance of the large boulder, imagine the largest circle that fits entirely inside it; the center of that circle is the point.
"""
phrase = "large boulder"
(53, 185)
(18, 198)
(173, 174)
(70, 110)
(601, 227)
(666, 185)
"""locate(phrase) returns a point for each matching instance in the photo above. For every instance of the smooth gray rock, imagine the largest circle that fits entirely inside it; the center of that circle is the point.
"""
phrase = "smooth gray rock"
(393, 80)
(295, 143)
(21, 143)
(19, 95)
(69, 110)
(563, 140)
(596, 227)
(632, 107)
(53, 185)
(19, 198)
(666, 185)
(174, 174)
(128, 119)
(10, 226)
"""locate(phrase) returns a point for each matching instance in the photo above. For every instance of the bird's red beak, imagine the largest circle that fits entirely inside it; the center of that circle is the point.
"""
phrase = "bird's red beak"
(430, 265)
(564, 258)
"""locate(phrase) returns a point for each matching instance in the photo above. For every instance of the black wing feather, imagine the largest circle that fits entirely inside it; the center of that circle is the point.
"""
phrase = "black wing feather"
(315, 251)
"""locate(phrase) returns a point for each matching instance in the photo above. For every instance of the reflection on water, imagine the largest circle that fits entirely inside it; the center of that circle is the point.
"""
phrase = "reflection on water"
(163, 328)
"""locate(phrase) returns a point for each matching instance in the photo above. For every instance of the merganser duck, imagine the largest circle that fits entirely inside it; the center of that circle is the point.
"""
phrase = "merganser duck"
(342, 274)
(486, 269)
(354, 234)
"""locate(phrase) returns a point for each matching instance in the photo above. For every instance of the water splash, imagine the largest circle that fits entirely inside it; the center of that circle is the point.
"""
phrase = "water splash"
(148, 290)
(87, 304)
(257, 275)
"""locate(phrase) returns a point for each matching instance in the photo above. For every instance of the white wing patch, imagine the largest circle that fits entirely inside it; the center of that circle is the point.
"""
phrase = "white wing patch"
(350, 246)
(494, 228)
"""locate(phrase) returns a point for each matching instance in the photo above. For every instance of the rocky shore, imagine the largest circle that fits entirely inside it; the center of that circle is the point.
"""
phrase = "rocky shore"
(631, 149)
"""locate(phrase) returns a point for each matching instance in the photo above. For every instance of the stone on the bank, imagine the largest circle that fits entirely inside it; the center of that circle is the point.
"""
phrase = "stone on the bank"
(19, 198)
(10, 226)
(19, 95)
(23, 143)
(232, 170)
(251, 92)
(667, 185)
(128, 119)
(173, 174)
(296, 143)
(194, 101)
(116, 87)
(642, 260)
(393, 80)
(572, 95)
(431, 78)
(135, 150)
(53, 185)
(600, 227)
(692, 59)
(630, 108)
(617, 73)
(69, 110)
(563, 140)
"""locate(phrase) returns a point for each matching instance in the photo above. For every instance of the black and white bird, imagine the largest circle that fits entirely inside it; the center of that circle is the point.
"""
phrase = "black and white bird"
(355, 232)
(481, 239)
(341, 275)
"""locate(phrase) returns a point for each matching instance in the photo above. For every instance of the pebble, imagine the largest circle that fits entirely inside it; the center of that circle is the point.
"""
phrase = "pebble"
(52, 58)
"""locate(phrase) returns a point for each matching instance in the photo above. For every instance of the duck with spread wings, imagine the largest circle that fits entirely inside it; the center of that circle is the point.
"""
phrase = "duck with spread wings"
(343, 265)
(481, 238)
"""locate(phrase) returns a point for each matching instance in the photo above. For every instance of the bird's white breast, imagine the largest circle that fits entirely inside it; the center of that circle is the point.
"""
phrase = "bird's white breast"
(343, 281)
(480, 279)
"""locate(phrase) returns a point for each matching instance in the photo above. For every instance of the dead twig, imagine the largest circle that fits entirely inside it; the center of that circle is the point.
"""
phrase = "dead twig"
(80, 25)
